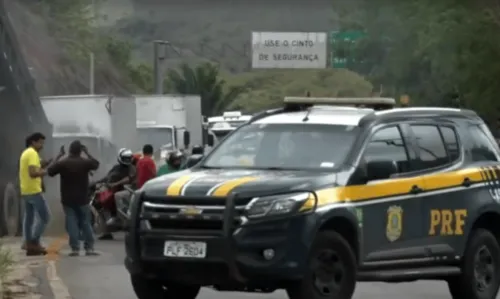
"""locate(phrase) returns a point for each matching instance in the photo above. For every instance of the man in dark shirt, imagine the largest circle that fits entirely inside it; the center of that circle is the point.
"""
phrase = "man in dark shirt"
(74, 174)
(146, 166)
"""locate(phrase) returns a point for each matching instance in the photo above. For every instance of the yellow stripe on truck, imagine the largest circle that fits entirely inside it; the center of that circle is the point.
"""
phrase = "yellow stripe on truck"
(176, 187)
(399, 186)
(375, 190)
(227, 187)
(452, 178)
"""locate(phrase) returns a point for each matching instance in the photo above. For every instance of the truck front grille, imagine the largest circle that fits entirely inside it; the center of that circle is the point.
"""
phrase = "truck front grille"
(178, 217)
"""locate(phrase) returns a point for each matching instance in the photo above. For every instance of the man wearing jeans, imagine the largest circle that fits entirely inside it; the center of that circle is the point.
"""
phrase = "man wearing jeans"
(30, 178)
(74, 174)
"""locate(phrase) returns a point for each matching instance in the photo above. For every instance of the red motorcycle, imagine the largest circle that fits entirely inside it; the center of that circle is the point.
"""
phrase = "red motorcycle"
(102, 201)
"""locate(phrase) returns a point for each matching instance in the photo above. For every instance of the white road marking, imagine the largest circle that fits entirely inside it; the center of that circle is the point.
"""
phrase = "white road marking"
(59, 289)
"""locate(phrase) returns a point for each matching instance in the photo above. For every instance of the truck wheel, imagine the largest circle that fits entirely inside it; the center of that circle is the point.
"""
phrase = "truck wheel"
(145, 288)
(480, 277)
(331, 271)
(11, 211)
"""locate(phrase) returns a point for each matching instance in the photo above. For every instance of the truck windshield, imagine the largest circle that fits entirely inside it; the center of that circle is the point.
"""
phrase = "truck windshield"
(284, 146)
(158, 137)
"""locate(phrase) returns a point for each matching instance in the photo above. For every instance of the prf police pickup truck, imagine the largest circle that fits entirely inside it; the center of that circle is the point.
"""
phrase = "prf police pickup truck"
(320, 194)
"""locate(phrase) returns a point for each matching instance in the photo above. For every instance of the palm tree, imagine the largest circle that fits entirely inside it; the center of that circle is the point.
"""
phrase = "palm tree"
(203, 80)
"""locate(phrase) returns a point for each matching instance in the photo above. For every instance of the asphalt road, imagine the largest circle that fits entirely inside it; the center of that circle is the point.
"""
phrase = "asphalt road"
(105, 277)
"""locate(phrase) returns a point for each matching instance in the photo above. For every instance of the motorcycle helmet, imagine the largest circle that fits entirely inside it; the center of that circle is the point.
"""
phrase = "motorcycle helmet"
(125, 156)
(197, 150)
(175, 158)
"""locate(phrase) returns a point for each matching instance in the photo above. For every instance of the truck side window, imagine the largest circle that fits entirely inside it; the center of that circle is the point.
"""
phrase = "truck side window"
(451, 142)
(430, 146)
(387, 144)
(483, 149)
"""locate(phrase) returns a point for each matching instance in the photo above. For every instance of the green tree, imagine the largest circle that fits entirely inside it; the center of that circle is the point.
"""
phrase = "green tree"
(204, 80)
(266, 89)
(120, 53)
(433, 50)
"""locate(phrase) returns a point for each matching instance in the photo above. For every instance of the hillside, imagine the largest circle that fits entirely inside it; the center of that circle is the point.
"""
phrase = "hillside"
(217, 30)
(198, 30)
(56, 71)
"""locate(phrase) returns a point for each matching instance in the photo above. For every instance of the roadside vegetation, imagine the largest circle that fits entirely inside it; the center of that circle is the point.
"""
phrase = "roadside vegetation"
(440, 53)
(6, 263)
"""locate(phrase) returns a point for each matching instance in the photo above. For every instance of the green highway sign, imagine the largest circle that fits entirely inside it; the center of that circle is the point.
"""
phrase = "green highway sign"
(341, 45)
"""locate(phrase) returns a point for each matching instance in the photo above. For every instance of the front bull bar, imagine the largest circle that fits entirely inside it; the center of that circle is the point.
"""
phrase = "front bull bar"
(229, 245)
(226, 235)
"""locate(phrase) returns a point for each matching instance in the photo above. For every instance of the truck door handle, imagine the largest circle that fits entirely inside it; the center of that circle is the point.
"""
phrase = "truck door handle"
(466, 182)
(415, 189)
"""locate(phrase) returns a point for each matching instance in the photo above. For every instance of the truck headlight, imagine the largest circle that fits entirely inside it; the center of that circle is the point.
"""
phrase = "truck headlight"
(279, 204)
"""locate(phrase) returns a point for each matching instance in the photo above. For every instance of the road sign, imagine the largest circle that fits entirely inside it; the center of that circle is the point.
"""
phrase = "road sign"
(341, 46)
(289, 50)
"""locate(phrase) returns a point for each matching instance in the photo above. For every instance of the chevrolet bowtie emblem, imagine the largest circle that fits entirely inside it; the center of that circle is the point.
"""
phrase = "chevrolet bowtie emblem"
(191, 211)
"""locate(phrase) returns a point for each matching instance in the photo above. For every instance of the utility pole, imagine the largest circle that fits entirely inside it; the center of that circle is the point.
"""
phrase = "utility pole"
(92, 71)
(159, 48)
(91, 57)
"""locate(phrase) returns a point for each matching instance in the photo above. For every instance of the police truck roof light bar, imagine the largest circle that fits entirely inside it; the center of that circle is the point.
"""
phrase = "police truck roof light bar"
(341, 101)
(373, 103)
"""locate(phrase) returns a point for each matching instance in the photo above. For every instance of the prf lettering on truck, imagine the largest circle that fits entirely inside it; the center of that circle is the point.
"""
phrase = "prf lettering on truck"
(447, 222)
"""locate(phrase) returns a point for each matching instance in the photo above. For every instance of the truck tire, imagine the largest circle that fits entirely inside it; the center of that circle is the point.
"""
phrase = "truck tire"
(145, 288)
(331, 271)
(11, 220)
(480, 277)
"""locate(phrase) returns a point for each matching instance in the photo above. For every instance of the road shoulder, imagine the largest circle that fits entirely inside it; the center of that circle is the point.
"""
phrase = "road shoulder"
(33, 277)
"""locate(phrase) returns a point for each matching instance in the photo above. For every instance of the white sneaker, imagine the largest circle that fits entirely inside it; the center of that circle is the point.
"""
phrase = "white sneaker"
(112, 221)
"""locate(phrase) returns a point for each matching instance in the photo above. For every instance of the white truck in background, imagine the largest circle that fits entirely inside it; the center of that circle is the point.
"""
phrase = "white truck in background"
(167, 121)
(103, 123)
(224, 124)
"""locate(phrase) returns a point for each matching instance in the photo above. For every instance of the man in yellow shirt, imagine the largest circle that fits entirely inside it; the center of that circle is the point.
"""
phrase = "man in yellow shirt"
(30, 178)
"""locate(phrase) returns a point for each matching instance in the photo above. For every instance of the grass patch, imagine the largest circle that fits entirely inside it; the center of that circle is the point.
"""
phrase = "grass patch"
(6, 263)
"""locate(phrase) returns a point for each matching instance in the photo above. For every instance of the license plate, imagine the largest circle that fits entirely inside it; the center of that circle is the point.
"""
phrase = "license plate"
(185, 249)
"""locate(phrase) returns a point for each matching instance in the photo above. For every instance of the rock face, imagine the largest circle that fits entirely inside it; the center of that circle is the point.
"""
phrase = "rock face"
(55, 72)
(39, 49)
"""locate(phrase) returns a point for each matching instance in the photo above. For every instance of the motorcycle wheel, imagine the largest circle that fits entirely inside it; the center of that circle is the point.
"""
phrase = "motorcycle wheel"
(98, 221)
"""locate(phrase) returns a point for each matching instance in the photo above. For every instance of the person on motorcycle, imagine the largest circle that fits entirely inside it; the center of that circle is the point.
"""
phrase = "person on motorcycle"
(174, 162)
(121, 174)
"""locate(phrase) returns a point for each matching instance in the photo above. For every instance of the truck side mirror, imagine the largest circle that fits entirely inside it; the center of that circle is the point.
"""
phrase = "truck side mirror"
(187, 139)
(210, 140)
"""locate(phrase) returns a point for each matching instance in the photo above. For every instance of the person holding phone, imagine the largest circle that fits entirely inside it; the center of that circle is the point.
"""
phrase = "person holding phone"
(74, 175)
(31, 172)
(44, 164)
